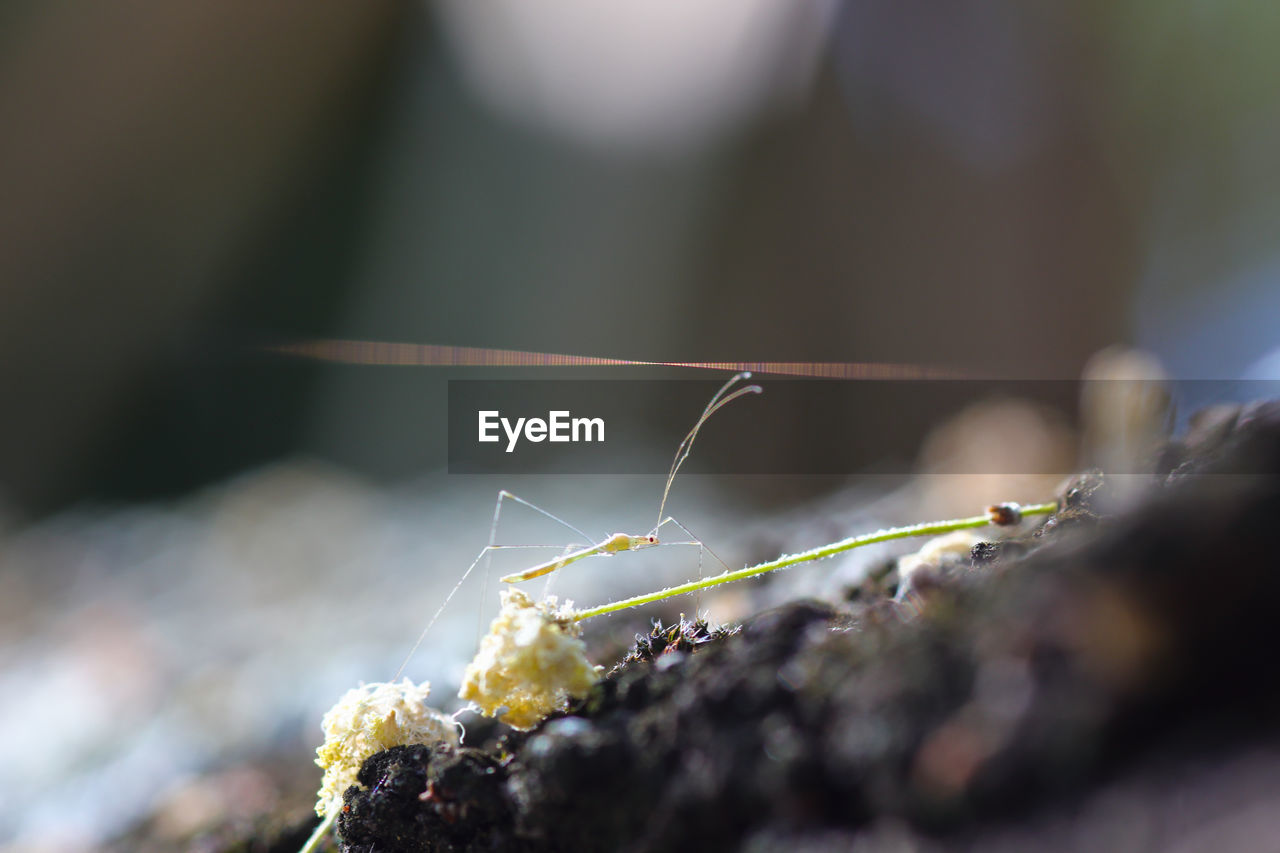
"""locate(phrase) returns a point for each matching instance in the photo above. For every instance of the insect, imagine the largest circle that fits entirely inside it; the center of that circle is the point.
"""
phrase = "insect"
(619, 542)
(610, 545)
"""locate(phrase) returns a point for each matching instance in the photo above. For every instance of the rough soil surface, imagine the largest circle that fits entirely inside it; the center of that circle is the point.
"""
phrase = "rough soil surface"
(1107, 682)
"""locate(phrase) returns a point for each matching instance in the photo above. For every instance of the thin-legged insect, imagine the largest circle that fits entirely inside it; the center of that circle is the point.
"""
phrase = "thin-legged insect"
(614, 544)
(620, 542)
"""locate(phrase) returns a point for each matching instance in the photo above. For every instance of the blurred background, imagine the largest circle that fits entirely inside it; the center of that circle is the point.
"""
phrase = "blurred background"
(203, 544)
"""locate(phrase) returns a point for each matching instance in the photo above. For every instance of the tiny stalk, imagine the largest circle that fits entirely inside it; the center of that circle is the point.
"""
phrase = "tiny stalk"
(321, 832)
(929, 528)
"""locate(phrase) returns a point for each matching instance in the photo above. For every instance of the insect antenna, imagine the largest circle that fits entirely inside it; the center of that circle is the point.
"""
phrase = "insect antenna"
(718, 402)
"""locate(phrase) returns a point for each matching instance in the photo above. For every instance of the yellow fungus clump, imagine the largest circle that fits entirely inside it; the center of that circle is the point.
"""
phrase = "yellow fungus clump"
(369, 719)
(531, 662)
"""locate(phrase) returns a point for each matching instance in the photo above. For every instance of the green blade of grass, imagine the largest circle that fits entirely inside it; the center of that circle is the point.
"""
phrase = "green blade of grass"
(929, 528)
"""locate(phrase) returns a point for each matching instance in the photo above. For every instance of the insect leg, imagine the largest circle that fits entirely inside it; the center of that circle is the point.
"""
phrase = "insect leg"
(702, 546)
(504, 495)
(486, 554)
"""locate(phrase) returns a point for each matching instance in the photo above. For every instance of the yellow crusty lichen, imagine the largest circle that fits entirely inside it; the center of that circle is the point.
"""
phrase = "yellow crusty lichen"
(529, 663)
(369, 719)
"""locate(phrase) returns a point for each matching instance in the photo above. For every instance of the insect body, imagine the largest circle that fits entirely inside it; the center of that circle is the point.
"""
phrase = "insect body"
(616, 543)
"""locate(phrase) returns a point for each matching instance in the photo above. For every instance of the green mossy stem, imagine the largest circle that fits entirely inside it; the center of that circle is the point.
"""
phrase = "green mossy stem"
(929, 528)
(317, 838)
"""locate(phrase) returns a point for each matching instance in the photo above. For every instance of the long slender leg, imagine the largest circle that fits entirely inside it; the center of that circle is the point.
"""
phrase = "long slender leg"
(440, 610)
(693, 537)
(486, 554)
(504, 495)
(697, 605)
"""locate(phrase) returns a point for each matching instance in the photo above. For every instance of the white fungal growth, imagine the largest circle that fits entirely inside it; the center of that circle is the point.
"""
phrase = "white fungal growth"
(369, 719)
(530, 663)
(931, 557)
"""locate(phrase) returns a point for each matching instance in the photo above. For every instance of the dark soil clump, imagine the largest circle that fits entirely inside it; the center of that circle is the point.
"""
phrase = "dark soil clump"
(414, 798)
(1127, 651)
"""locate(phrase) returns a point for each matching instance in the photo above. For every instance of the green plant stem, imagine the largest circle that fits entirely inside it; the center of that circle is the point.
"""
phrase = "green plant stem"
(317, 837)
(930, 528)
